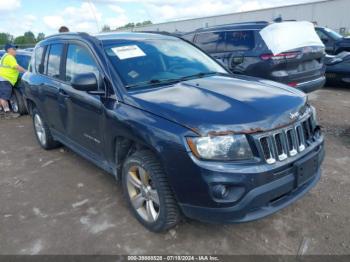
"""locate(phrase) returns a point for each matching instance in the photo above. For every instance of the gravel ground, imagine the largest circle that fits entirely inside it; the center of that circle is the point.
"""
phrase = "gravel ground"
(58, 203)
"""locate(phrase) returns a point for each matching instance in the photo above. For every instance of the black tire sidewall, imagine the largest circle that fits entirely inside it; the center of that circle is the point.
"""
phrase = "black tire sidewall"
(20, 102)
(14, 100)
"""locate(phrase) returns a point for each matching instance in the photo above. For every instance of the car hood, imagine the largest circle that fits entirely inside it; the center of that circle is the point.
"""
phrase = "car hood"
(344, 40)
(222, 104)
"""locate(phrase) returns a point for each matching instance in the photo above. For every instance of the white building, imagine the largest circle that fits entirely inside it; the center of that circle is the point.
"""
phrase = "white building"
(334, 14)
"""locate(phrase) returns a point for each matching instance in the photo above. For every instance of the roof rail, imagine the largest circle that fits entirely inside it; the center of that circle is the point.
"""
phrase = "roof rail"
(161, 33)
(239, 23)
(68, 34)
(156, 32)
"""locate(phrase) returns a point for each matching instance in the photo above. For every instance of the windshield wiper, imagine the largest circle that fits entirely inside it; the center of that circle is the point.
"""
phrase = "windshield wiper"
(154, 82)
(203, 74)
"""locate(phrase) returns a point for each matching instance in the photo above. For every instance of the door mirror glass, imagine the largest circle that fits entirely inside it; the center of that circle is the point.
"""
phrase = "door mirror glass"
(85, 82)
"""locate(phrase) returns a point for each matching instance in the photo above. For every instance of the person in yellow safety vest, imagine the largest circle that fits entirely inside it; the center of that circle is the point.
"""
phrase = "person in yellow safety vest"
(9, 72)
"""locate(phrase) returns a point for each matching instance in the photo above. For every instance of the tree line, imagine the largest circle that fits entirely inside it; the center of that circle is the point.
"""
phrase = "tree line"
(27, 39)
(128, 26)
(30, 39)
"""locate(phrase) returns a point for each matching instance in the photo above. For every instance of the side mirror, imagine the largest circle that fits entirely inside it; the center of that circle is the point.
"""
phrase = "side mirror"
(85, 82)
(325, 40)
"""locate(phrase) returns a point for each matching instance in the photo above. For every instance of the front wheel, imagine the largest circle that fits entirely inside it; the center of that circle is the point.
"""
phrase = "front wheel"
(42, 132)
(148, 193)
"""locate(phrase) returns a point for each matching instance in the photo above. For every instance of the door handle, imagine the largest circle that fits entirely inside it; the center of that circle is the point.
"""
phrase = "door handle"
(63, 93)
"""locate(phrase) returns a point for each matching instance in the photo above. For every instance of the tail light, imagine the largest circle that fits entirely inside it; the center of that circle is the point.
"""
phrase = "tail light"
(289, 55)
(293, 84)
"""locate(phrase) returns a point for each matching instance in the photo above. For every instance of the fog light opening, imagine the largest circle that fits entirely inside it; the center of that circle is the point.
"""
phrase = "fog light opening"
(220, 191)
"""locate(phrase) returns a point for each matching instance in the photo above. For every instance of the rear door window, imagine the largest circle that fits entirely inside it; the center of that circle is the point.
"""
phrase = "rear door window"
(39, 51)
(54, 60)
(239, 40)
(80, 61)
(210, 41)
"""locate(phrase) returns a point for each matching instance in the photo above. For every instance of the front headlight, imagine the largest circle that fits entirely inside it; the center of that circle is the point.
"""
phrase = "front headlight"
(228, 147)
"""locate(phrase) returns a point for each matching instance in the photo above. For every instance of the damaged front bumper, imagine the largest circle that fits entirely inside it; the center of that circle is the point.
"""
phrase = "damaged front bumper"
(286, 184)
(286, 165)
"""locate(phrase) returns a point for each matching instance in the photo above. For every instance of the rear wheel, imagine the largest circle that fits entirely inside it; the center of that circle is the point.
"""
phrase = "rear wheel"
(17, 103)
(148, 193)
(42, 132)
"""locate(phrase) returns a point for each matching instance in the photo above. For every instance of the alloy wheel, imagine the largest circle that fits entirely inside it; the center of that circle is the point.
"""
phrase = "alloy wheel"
(143, 196)
(14, 105)
(39, 129)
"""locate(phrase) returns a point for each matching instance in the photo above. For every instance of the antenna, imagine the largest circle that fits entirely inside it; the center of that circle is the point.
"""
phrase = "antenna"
(91, 5)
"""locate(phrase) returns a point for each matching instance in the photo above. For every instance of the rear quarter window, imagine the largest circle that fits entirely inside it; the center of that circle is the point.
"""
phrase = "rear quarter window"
(240, 40)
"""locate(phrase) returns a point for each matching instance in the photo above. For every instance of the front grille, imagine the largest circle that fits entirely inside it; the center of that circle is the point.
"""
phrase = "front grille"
(287, 142)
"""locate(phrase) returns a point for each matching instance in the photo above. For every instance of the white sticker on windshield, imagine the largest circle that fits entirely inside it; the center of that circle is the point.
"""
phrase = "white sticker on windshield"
(126, 52)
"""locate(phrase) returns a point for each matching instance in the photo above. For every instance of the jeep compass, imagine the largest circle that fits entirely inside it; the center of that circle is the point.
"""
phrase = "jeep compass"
(184, 137)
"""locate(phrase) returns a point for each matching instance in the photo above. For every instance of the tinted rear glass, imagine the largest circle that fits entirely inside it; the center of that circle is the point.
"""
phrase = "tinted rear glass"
(209, 41)
(239, 40)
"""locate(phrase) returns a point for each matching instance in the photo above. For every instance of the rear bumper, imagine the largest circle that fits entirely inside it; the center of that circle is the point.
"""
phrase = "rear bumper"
(312, 85)
(260, 201)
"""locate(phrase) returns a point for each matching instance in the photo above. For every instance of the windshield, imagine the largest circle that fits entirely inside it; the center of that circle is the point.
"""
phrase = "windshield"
(334, 35)
(155, 61)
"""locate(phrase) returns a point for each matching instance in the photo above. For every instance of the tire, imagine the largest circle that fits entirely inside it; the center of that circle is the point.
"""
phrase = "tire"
(42, 132)
(17, 103)
(143, 164)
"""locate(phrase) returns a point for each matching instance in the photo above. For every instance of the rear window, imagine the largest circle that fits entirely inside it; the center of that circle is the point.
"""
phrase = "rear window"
(239, 40)
(210, 41)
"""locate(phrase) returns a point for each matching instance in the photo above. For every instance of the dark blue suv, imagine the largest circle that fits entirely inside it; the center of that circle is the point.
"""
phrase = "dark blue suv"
(242, 50)
(334, 42)
(183, 135)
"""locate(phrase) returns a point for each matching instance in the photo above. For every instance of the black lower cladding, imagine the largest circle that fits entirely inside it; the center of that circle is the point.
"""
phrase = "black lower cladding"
(268, 198)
